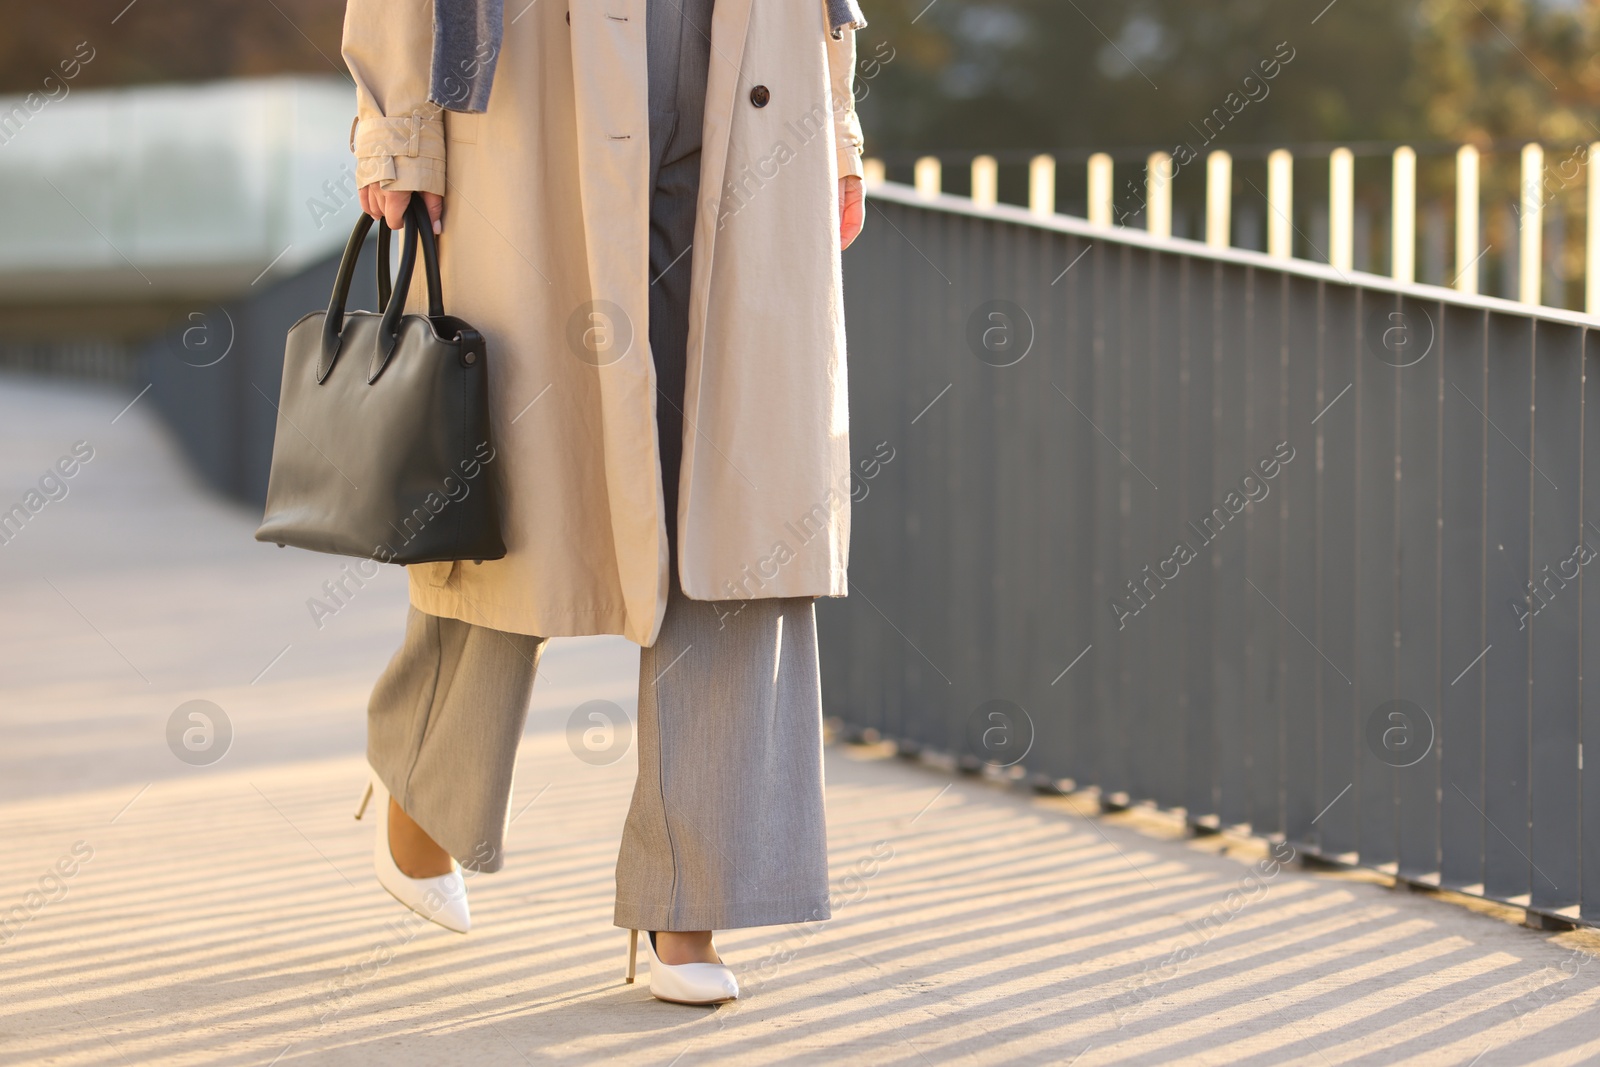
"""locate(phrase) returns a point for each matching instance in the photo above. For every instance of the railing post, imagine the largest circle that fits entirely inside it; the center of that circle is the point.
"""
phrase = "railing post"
(1100, 189)
(928, 177)
(1219, 199)
(1280, 204)
(985, 181)
(1592, 250)
(1042, 185)
(1467, 250)
(874, 172)
(1158, 194)
(1341, 209)
(1403, 216)
(1530, 262)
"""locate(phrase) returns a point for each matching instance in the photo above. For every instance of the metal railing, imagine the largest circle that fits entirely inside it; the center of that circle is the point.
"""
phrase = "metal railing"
(1281, 545)
(1149, 197)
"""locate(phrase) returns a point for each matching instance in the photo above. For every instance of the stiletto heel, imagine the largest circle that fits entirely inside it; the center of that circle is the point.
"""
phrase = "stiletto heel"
(698, 984)
(442, 900)
(633, 956)
(361, 809)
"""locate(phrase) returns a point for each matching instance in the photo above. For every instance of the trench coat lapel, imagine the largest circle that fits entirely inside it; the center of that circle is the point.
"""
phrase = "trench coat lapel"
(726, 82)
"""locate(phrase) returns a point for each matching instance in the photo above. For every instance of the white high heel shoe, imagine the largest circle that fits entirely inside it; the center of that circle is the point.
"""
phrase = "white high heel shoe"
(442, 900)
(683, 983)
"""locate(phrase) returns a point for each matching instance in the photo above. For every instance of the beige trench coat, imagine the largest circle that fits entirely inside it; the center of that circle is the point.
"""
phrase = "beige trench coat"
(545, 250)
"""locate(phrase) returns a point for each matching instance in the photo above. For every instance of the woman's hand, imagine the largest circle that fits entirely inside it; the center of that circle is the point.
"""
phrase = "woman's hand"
(390, 205)
(852, 210)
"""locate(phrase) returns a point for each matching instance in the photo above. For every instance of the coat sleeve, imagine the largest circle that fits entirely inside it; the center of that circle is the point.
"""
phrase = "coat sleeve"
(846, 125)
(398, 135)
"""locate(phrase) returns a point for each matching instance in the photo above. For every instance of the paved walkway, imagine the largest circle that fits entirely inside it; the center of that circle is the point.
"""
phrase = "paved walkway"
(164, 912)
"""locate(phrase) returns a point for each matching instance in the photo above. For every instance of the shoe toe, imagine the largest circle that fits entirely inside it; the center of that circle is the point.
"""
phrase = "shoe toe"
(453, 912)
(454, 916)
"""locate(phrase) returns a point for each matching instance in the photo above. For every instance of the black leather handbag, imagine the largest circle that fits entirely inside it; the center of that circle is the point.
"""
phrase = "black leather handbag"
(382, 447)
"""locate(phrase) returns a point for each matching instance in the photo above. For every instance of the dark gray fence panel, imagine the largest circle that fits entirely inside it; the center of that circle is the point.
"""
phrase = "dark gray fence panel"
(1296, 488)
(1464, 348)
(944, 622)
(1338, 801)
(1140, 288)
(1262, 740)
(900, 539)
(1168, 648)
(1418, 484)
(1377, 414)
(1555, 642)
(1232, 610)
(1020, 603)
(1201, 314)
(902, 602)
(906, 602)
(1081, 602)
(1102, 408)
(1589, 783)
(1038, 620)
(1509, 401)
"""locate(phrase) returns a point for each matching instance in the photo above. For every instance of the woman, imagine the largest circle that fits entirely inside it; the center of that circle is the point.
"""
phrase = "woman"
(641, 204)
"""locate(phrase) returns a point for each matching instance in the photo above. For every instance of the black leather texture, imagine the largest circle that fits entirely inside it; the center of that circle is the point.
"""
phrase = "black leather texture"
(382, 448)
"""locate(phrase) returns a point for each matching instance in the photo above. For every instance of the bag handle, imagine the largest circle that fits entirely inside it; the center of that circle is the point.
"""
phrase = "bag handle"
(385, 283)
(417, 226)
(430, 257)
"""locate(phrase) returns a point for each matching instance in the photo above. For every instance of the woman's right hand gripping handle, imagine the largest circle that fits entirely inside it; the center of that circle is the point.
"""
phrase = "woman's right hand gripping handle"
(390, 205)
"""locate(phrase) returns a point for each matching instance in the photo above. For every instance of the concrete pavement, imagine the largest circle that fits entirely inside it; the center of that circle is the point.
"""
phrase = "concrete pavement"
(171, 910)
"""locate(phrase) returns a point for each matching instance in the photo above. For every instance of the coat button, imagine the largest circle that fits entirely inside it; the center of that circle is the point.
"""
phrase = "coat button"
(760, 95)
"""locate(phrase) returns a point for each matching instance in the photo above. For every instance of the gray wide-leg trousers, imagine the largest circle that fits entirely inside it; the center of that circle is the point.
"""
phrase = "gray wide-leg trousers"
(726, 826)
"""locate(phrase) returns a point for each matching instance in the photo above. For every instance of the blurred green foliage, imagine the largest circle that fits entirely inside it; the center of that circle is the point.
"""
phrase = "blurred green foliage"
(1496, 69)
(988, 75)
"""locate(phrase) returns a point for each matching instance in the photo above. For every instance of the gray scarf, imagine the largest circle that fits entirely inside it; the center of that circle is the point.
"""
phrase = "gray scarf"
(466, 44)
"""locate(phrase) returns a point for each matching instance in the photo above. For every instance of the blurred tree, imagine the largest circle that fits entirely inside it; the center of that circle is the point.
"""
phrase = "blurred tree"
(1497, 69)
(1513, 71)
(1036, 74)
(166, 40)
